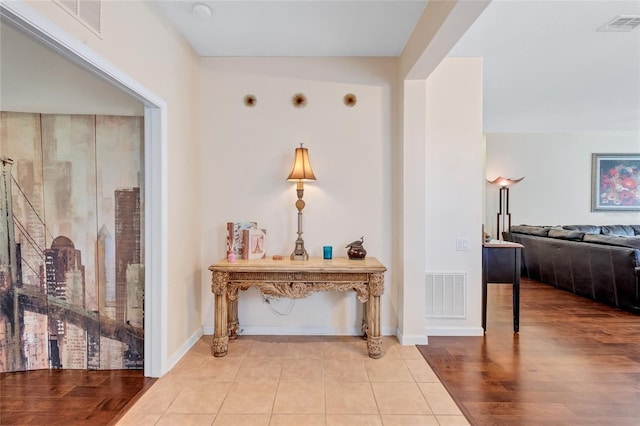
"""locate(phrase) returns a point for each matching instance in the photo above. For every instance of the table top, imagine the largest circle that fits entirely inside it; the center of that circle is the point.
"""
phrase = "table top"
(502, 244)
(314, 264)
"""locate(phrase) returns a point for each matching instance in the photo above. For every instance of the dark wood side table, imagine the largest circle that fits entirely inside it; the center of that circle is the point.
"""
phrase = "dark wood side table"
(501, 265)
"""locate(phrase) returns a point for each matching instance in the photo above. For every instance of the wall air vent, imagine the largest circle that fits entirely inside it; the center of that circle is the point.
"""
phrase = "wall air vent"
(86, 11)
(446, 295)
(622, 23)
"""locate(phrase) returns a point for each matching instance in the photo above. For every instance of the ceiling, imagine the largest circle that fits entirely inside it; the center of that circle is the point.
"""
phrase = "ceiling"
(296, 27)
(546, 68)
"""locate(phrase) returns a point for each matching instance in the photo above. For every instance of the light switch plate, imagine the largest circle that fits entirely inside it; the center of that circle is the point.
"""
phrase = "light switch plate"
(462, 244)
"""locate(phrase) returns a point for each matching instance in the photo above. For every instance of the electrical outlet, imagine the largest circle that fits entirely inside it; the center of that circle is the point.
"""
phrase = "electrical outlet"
(462, 244)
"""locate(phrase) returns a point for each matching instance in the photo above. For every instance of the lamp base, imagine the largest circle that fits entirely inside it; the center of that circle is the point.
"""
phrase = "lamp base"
(295, 256)
(299, 253)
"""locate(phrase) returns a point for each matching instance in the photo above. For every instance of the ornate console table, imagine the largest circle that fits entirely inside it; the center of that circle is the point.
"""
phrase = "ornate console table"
(296, 279)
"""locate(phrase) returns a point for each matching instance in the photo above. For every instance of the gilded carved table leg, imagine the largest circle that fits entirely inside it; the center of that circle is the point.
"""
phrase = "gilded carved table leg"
(232, 314)
(374, 335)
(220, 334)
(364, 321)
(232, 319)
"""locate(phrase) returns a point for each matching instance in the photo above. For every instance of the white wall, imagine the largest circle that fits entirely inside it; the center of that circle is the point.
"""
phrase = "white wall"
(411, 198)
(557, 170)
(248, 153)
(33, 78)
(454, 184)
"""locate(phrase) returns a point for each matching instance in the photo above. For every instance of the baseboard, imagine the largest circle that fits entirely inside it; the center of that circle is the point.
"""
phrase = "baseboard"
(183, 349)
(455, 331)
(301, 331)
(412, 339)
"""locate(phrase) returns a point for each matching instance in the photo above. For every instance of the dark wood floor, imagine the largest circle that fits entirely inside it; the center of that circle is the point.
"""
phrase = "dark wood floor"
(68, 397)
(574, 362)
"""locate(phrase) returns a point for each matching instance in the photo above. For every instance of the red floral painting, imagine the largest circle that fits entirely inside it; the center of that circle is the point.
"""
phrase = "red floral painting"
(616, 182)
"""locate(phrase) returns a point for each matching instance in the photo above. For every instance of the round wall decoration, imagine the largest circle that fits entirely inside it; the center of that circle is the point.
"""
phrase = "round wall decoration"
(350, 99)
(299, 100)
(250, 101)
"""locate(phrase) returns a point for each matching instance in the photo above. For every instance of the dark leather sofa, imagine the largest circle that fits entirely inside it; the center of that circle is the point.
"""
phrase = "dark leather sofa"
(601, 263)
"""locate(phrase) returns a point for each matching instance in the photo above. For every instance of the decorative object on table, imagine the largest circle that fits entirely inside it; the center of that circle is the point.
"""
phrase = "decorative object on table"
(301, 172)
(350, 100)
(615, 180)
(277, 257)
(234, 236)
(250, 101)
(299, 100)
(253, 243)
(327, 252)
(231, 256)
(503, 222)
(356, 251)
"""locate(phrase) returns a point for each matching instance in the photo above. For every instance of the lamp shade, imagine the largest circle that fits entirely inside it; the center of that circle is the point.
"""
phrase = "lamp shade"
(301, 167)
(504, 182)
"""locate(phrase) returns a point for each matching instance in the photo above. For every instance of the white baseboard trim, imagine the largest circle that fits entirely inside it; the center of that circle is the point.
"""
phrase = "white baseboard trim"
(301, 331)
(182, 350)
(455, 331)
(412, 339)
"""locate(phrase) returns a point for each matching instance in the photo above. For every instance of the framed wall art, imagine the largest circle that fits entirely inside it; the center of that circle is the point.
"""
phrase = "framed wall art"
(615, 180)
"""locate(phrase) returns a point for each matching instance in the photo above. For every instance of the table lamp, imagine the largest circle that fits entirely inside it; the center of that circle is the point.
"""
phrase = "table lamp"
(301, 171)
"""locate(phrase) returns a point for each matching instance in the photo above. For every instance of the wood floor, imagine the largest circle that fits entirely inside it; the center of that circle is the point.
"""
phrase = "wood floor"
(574, 362)
(68, 397)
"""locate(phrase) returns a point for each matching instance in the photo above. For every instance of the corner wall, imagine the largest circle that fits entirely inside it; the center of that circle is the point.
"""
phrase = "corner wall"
(454, 185)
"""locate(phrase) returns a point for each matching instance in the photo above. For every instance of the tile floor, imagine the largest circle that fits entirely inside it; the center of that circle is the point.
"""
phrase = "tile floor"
(297, 380)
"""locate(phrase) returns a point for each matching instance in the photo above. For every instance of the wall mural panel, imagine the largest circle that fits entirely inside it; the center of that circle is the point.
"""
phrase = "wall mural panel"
(71, 242)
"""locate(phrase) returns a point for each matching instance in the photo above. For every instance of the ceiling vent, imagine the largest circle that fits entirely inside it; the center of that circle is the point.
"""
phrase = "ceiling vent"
(622, 23)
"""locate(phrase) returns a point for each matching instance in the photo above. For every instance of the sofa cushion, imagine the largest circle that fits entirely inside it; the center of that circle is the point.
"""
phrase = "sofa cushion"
(619, 230)
(565, 234)
(612, 240)
(636, 229)
(587, 229)
(540, 231)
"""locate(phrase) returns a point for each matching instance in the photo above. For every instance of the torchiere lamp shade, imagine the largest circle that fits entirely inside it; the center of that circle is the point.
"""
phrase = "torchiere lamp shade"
(503, 217)
(504, 182)
(301, 166)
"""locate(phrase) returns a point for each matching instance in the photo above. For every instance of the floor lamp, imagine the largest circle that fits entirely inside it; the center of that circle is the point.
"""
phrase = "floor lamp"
(503, 219)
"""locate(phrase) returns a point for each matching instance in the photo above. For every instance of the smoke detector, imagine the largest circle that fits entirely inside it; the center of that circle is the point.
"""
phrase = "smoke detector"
(622, 23)
(201, 10)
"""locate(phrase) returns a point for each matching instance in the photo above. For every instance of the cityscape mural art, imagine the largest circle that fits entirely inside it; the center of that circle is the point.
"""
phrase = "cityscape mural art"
(71, 242)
